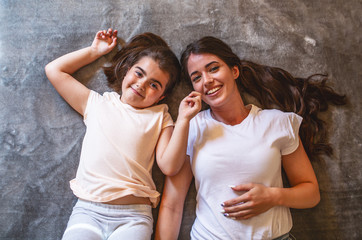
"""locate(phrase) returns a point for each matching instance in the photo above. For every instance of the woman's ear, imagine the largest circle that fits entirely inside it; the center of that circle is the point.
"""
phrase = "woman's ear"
(236, 72)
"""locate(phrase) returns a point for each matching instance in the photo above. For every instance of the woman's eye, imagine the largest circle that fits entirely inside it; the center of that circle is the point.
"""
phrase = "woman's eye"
(196, 78)
(214, 69)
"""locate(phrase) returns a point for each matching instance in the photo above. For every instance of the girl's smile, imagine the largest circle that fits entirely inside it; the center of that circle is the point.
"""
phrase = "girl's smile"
(144, 84)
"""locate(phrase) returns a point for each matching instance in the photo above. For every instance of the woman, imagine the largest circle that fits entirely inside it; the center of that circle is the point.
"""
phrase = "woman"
(236, 152)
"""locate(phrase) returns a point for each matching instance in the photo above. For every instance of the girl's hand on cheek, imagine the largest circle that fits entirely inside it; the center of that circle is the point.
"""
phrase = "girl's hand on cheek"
(257, 199)
(104, 41)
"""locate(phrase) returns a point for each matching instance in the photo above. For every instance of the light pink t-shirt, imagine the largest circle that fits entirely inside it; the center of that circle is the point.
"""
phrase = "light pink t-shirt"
(118, 149)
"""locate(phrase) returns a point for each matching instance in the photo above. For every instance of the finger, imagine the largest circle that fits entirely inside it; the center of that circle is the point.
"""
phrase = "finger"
(242, 187)
(241, 206)
(244, 217)
(114, 42)
(99, 34)
(193, 102)
(194, 94)
(238, 215)
(115, 32)
(235, 201)
(194, 98)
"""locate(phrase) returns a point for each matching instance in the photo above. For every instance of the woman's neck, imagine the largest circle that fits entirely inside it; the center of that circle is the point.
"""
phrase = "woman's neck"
(232, 114)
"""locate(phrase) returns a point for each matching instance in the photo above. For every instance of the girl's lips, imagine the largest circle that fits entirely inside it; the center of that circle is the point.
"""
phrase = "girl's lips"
(213, 90)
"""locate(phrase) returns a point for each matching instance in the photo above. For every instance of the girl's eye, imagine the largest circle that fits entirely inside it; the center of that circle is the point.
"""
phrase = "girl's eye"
(154, 86)
(139, 74)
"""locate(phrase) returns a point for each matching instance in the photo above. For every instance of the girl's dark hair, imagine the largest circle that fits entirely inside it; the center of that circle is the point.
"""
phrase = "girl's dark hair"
(143, 45)
(276, 88)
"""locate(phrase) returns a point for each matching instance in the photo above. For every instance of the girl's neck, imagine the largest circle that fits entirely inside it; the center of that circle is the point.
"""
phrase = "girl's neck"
(232, 114)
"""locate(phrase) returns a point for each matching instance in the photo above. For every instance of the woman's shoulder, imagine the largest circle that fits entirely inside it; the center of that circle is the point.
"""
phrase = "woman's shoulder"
(273, 112)
(276, 115)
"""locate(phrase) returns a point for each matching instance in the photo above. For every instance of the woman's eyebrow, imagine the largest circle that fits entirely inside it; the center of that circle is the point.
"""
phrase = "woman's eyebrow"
(144, 73)
(206, 66)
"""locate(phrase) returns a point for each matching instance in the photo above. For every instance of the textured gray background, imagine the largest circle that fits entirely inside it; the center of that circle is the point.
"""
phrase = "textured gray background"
(40, 135)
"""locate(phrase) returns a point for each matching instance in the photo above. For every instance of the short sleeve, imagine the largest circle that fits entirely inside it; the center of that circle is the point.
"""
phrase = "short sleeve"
(167, 119)
(290, 142)
(93, 98)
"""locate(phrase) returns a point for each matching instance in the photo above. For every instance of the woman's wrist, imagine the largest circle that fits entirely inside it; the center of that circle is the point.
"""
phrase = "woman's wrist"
(276, 196)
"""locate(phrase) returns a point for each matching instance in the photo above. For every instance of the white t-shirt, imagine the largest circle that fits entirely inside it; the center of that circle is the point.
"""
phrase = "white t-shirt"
(118, 149)
(250, 152)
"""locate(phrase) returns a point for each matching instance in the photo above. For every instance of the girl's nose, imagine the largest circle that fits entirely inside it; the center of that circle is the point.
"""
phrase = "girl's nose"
(141, 84)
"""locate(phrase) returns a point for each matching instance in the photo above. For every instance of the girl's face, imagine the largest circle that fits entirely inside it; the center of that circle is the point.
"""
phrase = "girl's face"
(213, 78)
(144, 84)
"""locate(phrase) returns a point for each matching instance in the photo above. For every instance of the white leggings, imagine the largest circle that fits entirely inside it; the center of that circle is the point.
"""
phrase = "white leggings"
(95, 221)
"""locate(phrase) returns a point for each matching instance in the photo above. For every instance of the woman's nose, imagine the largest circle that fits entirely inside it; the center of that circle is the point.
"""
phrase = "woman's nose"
(207, 79)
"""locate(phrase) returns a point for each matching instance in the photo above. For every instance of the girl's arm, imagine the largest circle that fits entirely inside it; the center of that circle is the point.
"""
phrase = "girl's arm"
(172, 203)
(304, 192)
(59, 71)
(172, 144)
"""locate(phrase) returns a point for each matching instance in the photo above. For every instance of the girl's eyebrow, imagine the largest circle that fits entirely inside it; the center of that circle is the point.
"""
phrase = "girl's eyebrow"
(206, 66)
(144, 73)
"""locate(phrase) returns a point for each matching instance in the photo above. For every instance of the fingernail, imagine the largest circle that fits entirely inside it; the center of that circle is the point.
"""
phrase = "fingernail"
(231, 186)
(233, 218)
(226, 214)
(222, 204)
(222, 211)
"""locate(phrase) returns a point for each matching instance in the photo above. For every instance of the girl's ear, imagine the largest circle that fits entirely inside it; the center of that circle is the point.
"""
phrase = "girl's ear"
(162, 97)
(236, 72)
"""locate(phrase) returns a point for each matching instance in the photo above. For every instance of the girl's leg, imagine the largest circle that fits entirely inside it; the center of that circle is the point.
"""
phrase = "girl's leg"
(137, 224)
(82, 225)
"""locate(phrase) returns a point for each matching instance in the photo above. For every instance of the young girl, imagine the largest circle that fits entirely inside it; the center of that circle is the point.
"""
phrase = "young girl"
(124, 134)
(236, 152)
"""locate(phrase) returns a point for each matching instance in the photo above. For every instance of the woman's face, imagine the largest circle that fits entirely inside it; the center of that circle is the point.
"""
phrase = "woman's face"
(213, 78)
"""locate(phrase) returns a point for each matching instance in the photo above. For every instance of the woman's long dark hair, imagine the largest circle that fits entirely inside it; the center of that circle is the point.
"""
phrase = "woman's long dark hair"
(276, 88)
(143, 45)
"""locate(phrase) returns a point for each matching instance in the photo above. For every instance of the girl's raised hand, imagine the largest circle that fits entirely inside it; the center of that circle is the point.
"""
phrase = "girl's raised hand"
(104, 41)
(190, 106)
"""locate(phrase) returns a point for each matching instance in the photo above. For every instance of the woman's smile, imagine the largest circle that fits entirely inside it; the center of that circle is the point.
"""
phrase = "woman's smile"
(213, 91)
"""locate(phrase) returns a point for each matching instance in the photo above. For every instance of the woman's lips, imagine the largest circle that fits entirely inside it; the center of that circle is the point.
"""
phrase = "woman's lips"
(213, 90)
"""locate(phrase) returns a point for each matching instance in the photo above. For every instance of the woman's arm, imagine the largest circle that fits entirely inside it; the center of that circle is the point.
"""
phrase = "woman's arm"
(172, 203)
(59, 71)
(172, 143)
(304, 192)
(258, 198)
